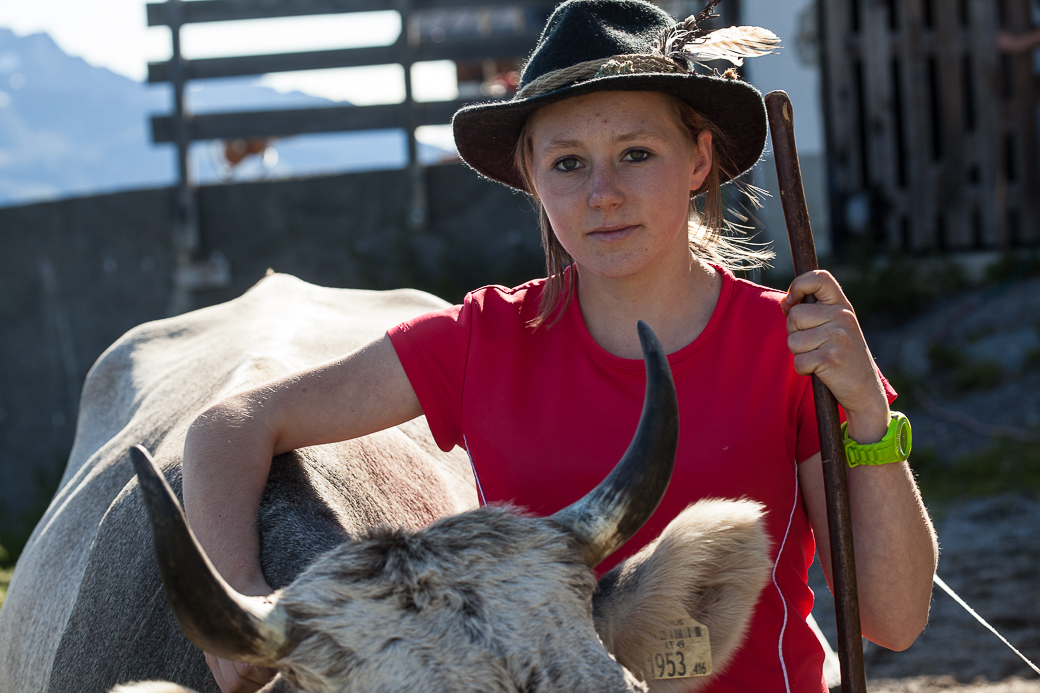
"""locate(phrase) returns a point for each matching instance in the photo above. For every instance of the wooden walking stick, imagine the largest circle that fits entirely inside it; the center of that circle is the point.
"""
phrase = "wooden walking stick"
(835, 469)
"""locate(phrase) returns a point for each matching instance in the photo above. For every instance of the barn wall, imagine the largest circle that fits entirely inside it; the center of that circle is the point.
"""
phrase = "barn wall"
(76, 274)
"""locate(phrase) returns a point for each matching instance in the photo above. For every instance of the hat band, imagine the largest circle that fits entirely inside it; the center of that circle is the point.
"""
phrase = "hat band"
(638, 63)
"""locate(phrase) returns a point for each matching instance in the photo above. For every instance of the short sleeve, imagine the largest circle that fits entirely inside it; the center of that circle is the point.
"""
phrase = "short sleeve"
(808, 432)
(433, 349)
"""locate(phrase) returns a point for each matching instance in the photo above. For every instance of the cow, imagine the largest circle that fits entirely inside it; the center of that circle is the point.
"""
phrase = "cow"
(388, 575)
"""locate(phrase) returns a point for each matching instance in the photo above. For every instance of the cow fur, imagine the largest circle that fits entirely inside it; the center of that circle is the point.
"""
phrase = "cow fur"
(380, 599)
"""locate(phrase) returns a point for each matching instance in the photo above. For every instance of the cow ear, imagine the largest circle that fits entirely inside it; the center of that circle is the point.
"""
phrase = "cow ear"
(712, 561)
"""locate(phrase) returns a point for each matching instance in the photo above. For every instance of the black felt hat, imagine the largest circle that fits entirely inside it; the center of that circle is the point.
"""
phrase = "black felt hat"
(624, 45)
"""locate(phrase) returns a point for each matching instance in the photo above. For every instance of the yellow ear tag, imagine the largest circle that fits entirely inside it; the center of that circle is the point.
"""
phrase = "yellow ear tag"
(682, 649)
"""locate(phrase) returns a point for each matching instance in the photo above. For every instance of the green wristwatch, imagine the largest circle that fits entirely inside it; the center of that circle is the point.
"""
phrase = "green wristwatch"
(894, 447)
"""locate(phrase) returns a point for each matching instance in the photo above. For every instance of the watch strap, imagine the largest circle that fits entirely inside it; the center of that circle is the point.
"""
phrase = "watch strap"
(894, 447)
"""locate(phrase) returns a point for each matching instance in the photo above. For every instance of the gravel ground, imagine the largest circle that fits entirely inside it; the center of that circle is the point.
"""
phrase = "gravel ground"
(991, 558)
(990, 548)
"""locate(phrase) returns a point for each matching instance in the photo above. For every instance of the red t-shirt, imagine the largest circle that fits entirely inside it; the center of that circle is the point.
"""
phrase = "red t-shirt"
(546, 413)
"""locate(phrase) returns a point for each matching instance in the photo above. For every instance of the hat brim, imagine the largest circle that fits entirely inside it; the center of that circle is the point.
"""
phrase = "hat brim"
(486, 134)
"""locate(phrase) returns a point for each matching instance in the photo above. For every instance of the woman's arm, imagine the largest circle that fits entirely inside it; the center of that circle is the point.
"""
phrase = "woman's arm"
(228, 451)
(894, 542)
(896, 550)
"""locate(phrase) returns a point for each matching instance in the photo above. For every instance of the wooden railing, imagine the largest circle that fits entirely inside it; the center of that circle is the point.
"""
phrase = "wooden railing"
(932, 132)
(181, 127)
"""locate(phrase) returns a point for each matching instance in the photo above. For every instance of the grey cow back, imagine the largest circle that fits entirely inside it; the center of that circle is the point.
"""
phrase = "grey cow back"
(85, 609)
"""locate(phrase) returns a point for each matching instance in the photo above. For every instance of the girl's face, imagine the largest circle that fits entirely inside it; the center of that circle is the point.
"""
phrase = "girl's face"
(614, 172)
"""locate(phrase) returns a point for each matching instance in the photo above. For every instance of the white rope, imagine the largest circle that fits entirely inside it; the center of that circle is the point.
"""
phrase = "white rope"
(946, 588)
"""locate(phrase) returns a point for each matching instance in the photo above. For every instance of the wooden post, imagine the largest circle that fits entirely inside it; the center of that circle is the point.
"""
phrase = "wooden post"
(186, 217)
(1022, 97)
(417, 207)
(835, 469)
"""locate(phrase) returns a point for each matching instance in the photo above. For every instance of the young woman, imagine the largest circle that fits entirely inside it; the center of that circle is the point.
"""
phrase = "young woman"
(615, 133)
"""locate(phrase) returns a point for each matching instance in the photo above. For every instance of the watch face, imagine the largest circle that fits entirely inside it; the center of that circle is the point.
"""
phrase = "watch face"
(903, 439)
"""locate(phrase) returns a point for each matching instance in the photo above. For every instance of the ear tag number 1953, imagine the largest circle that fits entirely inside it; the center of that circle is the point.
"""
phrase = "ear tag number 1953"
(681, 649)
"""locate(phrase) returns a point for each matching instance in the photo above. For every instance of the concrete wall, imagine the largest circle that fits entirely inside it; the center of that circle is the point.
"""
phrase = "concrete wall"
(76, 274)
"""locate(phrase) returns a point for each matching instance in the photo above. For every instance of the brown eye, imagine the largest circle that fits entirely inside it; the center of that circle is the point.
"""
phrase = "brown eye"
(568, 163)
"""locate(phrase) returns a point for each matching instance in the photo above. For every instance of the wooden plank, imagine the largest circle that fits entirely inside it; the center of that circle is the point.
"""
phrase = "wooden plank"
(446, 4)
(988, 121)
(160, 14)
(878, 118)
(1024, 128)
(210, 68)
(916, 42)
(953, 171)
(508, 46)
(905, 43)
(838, 49)
(492, 47)
(283, 123)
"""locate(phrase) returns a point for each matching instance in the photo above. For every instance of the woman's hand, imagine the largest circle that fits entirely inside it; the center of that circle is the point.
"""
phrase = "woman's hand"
(238, 677)
(826, 340)
(895, 545)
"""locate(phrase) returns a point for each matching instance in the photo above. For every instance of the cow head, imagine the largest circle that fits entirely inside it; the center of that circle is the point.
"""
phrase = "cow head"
(488, 600)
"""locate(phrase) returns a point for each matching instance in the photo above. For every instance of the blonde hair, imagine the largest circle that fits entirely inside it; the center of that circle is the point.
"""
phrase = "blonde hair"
(713, 238)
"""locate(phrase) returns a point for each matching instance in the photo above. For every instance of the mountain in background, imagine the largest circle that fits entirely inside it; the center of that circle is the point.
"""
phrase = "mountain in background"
(68, 128)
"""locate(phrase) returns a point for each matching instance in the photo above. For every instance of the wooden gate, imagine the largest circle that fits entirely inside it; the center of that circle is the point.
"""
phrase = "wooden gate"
(932, 132)
(419, 41)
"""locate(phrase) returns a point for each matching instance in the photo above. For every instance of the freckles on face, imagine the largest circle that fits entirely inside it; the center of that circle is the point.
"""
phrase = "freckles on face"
(614, 172)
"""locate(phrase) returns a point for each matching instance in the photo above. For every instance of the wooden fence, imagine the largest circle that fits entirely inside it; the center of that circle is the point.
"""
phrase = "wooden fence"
(414, 45)
(931, 131)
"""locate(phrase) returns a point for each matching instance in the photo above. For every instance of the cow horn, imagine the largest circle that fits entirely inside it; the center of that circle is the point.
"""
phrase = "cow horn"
(215, 617)
(615, 510)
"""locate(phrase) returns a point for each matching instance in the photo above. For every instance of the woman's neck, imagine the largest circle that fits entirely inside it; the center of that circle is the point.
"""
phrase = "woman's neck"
(677, 305)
